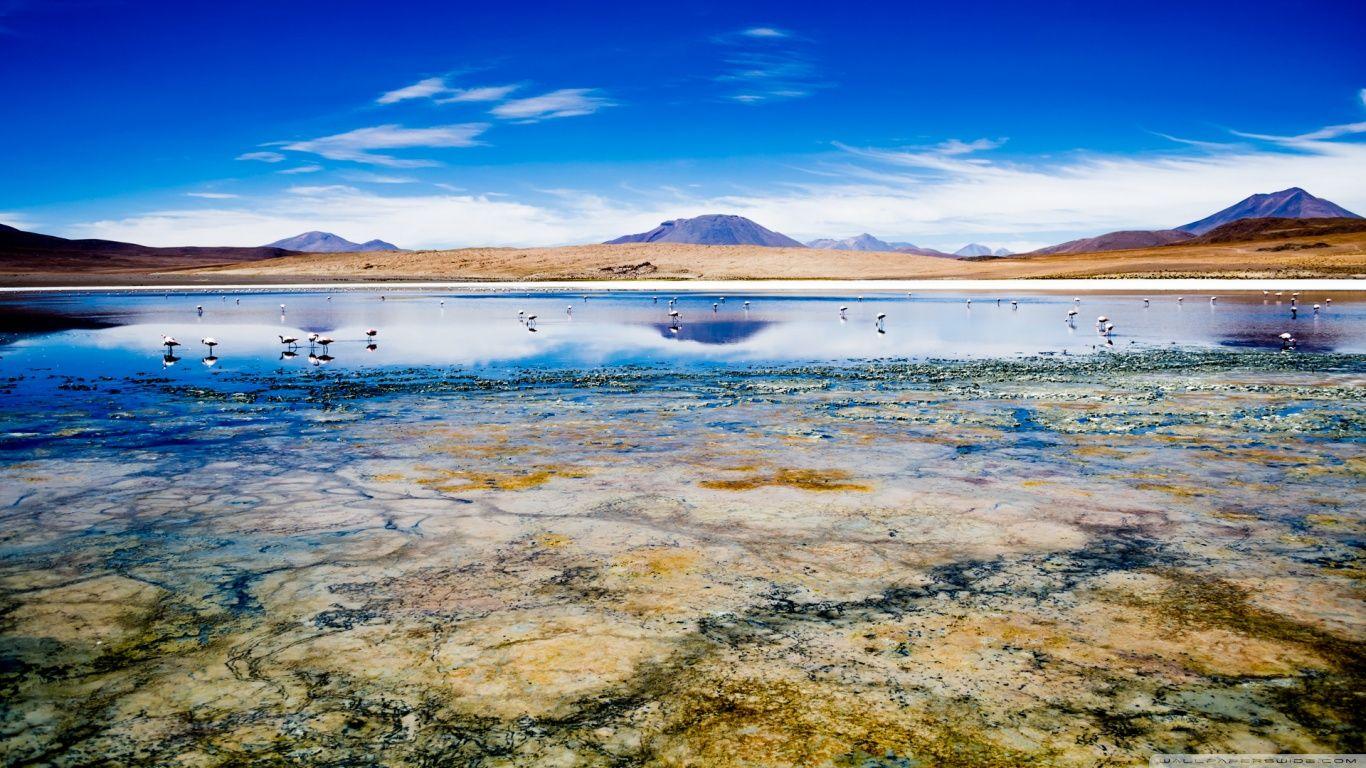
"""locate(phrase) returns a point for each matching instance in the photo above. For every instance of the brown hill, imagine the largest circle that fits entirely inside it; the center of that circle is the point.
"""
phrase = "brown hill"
(1243, 230)
(22, 252)
(1117, 241)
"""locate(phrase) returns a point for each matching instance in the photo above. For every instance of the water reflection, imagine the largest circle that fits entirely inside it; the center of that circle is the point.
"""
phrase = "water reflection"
(549, 329)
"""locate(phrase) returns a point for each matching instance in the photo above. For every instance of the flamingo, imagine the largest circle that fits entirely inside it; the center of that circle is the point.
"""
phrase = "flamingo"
(715, 307)
(371, 333)
(531, 322)
(169, 341)
(209, 342)
(199, 308)
(289, 341)
(1014, 305)
(969, 303)
(1287, 341)
(312, 338)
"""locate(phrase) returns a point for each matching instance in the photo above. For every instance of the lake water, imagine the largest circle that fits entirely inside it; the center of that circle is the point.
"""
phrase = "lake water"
(764, 536)
(483, 331)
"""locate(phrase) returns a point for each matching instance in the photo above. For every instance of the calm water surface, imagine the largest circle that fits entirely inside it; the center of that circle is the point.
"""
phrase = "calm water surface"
(121, 332)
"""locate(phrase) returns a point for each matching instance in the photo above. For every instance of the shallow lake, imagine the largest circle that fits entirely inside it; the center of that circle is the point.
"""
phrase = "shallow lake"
(122, 331)
(771, 536)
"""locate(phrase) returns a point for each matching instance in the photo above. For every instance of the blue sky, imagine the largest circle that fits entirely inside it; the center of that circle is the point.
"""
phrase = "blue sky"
(449, 124)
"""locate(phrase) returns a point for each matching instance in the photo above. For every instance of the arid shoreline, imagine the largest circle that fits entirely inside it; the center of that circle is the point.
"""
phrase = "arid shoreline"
(1343, 256)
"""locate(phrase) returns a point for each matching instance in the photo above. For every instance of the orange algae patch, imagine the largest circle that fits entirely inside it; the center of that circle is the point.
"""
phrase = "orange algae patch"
(802, 479)
(717, 718)
(455, 480)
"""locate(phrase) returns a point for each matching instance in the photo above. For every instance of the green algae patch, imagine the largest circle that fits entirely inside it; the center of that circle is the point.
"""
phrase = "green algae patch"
(801, 479)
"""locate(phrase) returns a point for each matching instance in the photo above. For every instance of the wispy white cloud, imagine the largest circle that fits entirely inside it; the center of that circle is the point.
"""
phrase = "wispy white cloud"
(764, 32)
(766, 64)
(311, 168)
(422, 89)
(566, 102)
(484, 93)
(437, 89)
(1362, 94)
(212, 195)
(265, 157)
(16, 220)
(358, 145)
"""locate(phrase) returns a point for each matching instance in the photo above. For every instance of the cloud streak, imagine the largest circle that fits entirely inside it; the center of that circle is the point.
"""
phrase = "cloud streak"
(422, 89)
(766, 64)
(436, 89)
(359, 145)
(264, 157)
(566, 102)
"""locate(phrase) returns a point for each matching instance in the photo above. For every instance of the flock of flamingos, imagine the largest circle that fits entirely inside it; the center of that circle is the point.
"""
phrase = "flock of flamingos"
(317, 341)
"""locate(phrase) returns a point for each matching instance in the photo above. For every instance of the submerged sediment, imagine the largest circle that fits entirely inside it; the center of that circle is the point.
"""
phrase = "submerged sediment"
(1055, 560)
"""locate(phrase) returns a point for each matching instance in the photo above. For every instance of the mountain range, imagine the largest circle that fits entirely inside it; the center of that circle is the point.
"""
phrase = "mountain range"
(1296, 214)
(326, 242)
(711, 229)
(867, 242)
(1287, 204)
(1292, 203)
(31, 250)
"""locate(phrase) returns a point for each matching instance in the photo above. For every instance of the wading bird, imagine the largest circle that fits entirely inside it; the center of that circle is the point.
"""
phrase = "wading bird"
(209, 342)
(289, 341)
(371, 333)
(169, 342)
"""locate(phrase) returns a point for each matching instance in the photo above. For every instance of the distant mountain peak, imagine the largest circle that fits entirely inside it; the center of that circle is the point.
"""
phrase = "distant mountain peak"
(973, 249)
(711, 229)
(326, 242)
(862, 242)
(1292, 203)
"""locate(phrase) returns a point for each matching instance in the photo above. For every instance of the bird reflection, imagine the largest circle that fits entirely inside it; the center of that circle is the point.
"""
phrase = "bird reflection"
(288, 354)
(209, 360)
(168, 360)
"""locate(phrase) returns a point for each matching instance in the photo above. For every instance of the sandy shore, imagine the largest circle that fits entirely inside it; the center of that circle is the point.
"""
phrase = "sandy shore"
(1088, 285)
